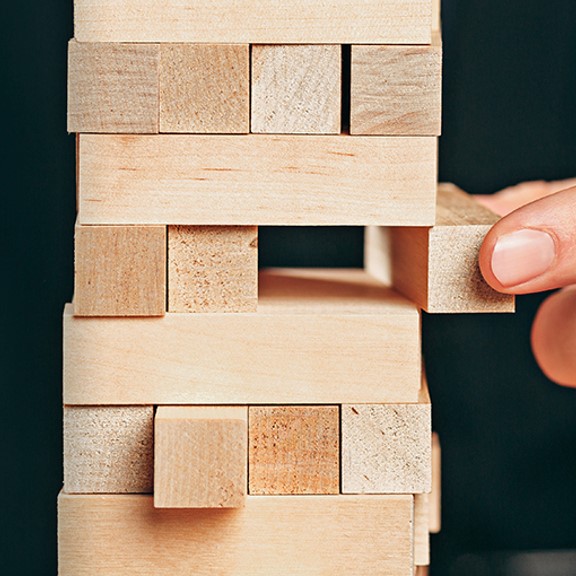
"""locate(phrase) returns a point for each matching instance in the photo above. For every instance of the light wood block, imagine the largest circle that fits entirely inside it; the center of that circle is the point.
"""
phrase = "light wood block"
(296, 89)
(204, 88)
(120, 271)
(256, 179)
(396, 90)
(113, 87)
(294, 449)
(386, 448)
(108, 449)
(437, 267)
(212, 268)
(435, 522)
(200, 457)
(421, 530)
(254, 21)
(319, 337)
(280, 535)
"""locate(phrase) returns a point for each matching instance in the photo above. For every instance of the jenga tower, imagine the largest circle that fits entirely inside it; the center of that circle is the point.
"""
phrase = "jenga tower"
(222, 421)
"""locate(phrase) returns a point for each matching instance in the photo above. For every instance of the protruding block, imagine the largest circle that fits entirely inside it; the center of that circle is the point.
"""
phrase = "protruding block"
(200, 457)
(204, 88)
(435, 522)
(108, 449)
(396, 90)
(421, 529)
(113, 87)
(294, 450)
(296, 89)
(120, 271)
(212, 268)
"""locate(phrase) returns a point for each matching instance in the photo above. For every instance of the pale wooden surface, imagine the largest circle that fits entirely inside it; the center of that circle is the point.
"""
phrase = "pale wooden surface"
(279, 535)
(204, 88)
(435, 521)
(254, 21)
(386, 448)
(108, 449)
(212, 268)
(200, 456)
(112, 87)
(294, 449)
(319, 337)
(421, 530)
(120, 270)
(378, 252)
(296, 89)
(257, 179)
(396, 90)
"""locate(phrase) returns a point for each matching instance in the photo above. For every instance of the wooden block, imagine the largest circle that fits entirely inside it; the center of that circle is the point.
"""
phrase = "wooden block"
(435, 521)
(280, 535)
(212, 268)
(319, 337)
(421, 531)
(386, 448)
(200, 457)
(204, 88)
(396, 90)
(120, 271)
(257, 179)
(437, 267)
(108, 449)
(294, 449)
(296, 89)
(254, 22)
(113, 87)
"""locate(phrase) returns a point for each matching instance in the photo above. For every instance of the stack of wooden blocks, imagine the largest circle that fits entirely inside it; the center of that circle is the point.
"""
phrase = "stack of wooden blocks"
(218, 420)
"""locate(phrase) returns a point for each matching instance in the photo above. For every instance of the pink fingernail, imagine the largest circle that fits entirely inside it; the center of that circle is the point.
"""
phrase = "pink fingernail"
(522, 256)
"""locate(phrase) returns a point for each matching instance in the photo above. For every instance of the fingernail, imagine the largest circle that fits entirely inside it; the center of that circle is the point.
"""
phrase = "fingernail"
(521, 256)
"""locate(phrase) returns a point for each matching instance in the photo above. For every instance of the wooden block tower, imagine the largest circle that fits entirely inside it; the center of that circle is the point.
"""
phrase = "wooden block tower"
(222, 421)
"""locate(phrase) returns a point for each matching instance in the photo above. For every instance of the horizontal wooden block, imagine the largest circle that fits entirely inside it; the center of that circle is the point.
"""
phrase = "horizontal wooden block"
(386, 448)
(254, 22)
(280, 535)
(256, 179)
(397, 90)
(108, 449)
(296, 89)
(319, 337)
(120, 270)
(294, 449)
(421, 529)
(437, 267)
(200, 457)
(212, 268)
(113, 87)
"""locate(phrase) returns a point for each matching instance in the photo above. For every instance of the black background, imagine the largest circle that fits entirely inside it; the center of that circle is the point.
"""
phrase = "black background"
(509, 436)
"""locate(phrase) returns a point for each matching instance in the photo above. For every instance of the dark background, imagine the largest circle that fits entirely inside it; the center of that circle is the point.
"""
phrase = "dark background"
(509, 436)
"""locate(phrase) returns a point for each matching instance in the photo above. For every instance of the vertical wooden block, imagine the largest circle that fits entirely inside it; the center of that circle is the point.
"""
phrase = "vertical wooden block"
(113, 87)
(421, 530)
(294, 450)
(212, 268)
(204, 88)
(435, 517)
(200, 457)
(108, 449)
(296, 89)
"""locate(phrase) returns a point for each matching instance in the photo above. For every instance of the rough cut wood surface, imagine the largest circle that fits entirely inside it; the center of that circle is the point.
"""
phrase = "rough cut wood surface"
(294, 449)
(319, 337)
(108, 449)
(279, 535)
(257, 179)
(296, 89)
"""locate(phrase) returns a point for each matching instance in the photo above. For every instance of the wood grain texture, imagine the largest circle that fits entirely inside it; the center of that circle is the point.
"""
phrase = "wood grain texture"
(396, 90)
(319, 337)
(113, 87)
(294, 449)
(280, 535)
(108, 449)
(200, 456)
(120, 270)
(435, 518)
(256, 179)
(296, 89)
(212, 268)
(205, 88)
(421, 529)
(254, 21)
